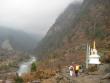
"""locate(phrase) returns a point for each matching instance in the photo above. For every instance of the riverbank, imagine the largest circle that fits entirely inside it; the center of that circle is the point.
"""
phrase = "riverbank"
(25, 67)
(54, 71)
(8, 73)
(9, 62)
(53, 75)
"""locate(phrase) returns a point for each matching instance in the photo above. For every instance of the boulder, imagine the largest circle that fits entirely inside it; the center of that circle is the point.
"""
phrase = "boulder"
(104, 68)
(107, 76)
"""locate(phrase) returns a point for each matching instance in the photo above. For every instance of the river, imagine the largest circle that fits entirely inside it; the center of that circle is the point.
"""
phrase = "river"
(26, 66)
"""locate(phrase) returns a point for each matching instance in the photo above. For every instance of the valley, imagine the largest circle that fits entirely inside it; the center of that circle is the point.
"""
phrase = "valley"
(80, 36)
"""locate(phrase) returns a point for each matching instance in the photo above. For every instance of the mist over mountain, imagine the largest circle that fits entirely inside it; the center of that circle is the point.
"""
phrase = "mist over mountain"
(67, 48)
(18, 40)
(59, 30)
(77, 25)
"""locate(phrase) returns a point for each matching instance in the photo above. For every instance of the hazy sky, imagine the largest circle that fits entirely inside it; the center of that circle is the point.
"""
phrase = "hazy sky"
(35, 16)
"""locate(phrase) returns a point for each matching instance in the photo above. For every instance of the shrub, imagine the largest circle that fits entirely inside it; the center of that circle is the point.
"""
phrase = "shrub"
(33, 67)
(18, 80)
(92, 68)
(106, 59)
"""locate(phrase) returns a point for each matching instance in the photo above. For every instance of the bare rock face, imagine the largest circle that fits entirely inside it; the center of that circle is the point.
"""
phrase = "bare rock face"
(6, 45)
(105, 81)
(107, 76)
(105, 68)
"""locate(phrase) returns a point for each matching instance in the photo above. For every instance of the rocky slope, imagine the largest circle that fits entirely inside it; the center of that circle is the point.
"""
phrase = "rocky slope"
(100, 76)
(60, 29)
(75, 27)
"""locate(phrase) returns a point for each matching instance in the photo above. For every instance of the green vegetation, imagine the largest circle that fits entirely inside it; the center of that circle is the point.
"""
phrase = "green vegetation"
(18, 80)
(33, 67)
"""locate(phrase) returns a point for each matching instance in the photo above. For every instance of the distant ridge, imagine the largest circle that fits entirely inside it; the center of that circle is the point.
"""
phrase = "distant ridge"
(17, 40)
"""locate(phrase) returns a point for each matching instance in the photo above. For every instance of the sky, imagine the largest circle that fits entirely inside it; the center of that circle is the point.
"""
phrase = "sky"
(33, 16)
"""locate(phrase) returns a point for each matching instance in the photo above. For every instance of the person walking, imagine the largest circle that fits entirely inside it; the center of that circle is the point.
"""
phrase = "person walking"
(76, 68)
(71, 69)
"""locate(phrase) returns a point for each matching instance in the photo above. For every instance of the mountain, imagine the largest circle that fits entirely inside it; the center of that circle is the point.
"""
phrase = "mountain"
(17, 40)
(78, 25)
(59, 30)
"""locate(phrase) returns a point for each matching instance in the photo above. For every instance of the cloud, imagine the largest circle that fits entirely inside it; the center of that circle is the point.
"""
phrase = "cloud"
(35, 16)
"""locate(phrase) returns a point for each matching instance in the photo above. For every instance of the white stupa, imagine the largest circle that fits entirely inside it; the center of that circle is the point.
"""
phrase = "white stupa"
(94, 57)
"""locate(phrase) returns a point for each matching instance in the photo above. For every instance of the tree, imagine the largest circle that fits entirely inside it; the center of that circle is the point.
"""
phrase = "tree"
(18, 80)
(33, 67)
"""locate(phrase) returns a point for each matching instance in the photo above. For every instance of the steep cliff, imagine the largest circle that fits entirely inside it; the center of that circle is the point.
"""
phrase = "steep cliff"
(60, 29)
(76, 26)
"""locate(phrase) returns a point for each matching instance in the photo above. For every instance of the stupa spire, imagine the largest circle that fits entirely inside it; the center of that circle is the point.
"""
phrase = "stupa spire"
(94, 45)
